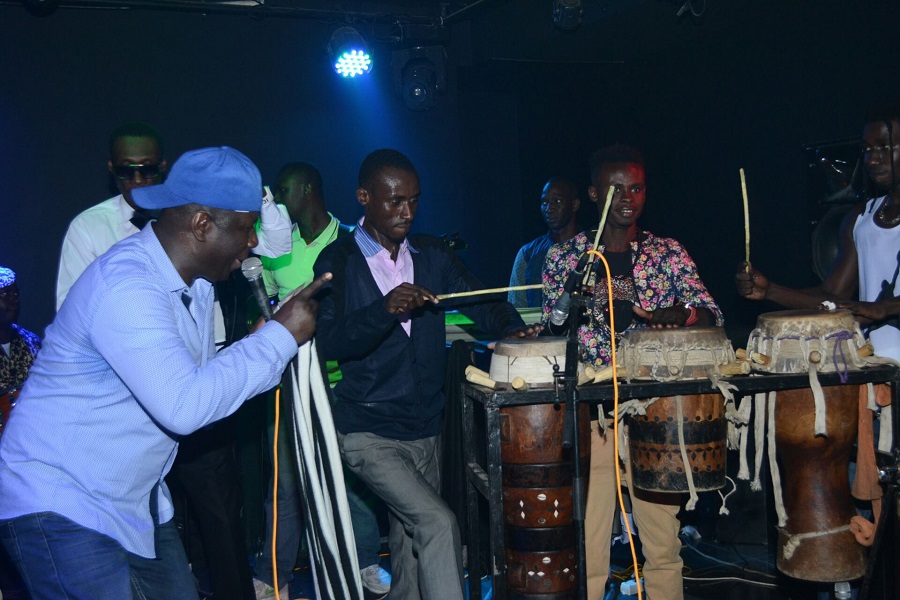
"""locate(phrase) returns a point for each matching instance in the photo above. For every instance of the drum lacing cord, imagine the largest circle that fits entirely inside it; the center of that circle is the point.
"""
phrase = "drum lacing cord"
(723, 510)
(820, 427)
(773, 463)
(838, 358)
(688, 472)
(759, 429)
(615, 382)
(743, 435)
(794, 539)
(764, 411)
(886, 433)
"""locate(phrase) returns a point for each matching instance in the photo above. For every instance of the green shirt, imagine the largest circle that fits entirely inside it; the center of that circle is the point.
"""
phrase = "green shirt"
(284, 274)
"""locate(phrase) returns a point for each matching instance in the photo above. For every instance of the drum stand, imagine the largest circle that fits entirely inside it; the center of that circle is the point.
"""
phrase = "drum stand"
(571, 439)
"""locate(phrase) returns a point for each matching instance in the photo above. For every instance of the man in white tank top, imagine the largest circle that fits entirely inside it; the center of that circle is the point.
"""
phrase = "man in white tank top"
(864, 277)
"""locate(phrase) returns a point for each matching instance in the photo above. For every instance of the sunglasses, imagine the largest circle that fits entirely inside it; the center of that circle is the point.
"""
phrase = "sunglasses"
(126, 172)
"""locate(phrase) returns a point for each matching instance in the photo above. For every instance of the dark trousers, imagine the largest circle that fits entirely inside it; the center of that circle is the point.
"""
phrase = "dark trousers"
(206, 470)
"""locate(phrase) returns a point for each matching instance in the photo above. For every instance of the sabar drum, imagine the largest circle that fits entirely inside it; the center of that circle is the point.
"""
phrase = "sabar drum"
(537, 476)
(677, 426)
(815, 543)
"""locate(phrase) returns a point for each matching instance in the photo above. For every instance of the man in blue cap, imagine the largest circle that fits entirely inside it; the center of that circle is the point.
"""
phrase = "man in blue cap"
(127, 366)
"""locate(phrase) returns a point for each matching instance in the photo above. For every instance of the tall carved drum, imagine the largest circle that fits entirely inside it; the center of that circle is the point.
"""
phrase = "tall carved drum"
(537, 477)
(677, 427)
(815, 543)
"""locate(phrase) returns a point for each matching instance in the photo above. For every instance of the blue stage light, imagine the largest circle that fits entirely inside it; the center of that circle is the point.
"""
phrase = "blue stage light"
(349, 53)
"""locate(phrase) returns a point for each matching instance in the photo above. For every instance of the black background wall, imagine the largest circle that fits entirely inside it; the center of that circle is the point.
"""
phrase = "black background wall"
(746, 85)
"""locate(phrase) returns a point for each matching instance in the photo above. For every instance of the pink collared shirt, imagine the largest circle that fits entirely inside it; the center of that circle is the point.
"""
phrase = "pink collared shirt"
(389, 274)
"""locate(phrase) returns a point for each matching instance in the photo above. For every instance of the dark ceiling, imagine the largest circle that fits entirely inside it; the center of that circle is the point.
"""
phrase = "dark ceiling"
(475, 31)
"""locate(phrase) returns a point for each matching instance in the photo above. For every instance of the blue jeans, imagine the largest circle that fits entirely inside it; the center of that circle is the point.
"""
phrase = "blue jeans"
(59, 559)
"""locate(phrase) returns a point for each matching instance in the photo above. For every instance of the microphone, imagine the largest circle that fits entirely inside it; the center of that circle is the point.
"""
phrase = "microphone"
(561, 309)
(252, 269)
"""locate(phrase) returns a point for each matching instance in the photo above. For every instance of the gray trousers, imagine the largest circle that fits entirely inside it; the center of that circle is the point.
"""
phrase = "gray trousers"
(426, 552)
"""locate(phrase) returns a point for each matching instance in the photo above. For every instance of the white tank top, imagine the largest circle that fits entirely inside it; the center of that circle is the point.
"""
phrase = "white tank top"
(876, 249)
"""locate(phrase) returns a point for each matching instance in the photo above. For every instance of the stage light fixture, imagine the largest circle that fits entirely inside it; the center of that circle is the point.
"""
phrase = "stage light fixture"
(420, 75)
(349, 53)
(567, 14)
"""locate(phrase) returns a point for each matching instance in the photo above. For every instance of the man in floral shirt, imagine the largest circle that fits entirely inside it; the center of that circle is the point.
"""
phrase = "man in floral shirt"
(655, 284)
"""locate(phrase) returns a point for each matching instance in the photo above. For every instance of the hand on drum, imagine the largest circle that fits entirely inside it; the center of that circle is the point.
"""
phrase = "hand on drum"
(870, 312)
(663, 318)
(529, 331)
(751, 284)
(407, 297)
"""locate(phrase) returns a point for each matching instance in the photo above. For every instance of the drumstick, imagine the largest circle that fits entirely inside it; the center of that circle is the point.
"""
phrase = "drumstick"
(746, 221)
(515, 288)
(587, 270)
(609, 195)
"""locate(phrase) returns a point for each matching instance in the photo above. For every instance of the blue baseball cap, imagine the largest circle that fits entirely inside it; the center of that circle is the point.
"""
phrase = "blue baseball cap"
(217, 177)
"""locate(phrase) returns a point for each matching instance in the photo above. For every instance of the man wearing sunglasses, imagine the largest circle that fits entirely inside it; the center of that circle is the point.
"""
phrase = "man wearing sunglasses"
(135, 160)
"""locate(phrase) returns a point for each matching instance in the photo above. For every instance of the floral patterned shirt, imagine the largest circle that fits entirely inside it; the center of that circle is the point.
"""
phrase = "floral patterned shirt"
(14, 366)
(664, 275)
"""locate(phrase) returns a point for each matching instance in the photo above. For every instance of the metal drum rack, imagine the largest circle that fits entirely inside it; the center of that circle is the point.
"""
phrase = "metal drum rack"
(482, 463)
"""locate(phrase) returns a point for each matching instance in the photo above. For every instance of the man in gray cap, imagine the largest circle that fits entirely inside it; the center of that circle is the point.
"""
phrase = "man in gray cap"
(128, 365)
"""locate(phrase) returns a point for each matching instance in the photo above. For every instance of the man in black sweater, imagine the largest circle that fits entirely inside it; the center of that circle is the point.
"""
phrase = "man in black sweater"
(381, 320)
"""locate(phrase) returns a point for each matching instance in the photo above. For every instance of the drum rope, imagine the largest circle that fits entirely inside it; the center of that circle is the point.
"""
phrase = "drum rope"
(773, 463)
(794, 539)
(743, 433)
(688, 472)
(723, 510)
(820, 427)
(759, 428)
(838, 352)
(870, 397)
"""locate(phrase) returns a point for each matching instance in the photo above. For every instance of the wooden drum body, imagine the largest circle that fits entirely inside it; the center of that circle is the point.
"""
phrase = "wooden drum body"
(816, 485)
(655, 443)
(537, 500)
(815, 543)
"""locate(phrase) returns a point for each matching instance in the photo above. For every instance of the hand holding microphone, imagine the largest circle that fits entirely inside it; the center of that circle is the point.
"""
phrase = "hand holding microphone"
(297, 312)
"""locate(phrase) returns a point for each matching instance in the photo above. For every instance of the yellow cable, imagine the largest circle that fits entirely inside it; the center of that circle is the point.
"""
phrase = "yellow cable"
(275, 492)
(615, 381)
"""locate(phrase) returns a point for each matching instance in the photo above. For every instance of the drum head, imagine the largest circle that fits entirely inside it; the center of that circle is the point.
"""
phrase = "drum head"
(672, 354)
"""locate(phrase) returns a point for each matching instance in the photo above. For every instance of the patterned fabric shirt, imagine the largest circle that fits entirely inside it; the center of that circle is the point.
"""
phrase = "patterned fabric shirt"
(14, 367)
(664, 275)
